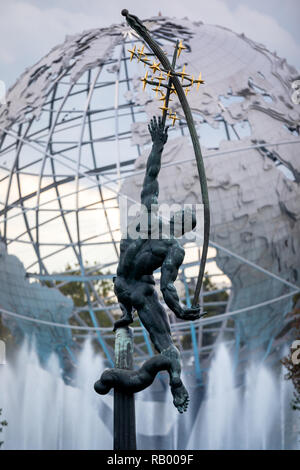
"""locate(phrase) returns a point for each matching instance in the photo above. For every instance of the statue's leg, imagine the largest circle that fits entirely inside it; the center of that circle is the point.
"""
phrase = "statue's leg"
(155, 320)
(123, 294)
(126, 318)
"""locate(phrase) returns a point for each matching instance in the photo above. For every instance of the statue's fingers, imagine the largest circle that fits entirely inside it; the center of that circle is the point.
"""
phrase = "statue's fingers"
(193, 316)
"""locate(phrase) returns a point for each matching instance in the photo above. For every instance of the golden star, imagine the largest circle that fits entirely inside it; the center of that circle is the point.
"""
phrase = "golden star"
(187, 90)
(161, 78)
(164, 108)
(155, 67)
(144, 80)
(183, 74)
(132, 53)
(173, 90)
(163, 97)
(174, 118)
(156, 89)
(181, 47)
(146, 60)
(199, 81)
(140, 52)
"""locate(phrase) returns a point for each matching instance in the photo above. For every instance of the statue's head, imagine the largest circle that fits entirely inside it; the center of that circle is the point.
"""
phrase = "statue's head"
(158, 224)
(182, 222)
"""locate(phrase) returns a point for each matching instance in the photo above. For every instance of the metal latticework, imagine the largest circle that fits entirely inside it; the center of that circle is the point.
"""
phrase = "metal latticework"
(73, 139)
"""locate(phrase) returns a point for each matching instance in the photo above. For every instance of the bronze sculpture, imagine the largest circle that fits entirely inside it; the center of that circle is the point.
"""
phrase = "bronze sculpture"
(148, 250)
(139, 258)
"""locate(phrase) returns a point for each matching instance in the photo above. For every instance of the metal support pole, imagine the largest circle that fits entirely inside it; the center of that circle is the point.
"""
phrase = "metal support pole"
(124, 409)
(125, 381)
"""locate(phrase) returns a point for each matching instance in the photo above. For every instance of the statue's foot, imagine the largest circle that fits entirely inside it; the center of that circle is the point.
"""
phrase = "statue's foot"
(180, 395)
(124, 321)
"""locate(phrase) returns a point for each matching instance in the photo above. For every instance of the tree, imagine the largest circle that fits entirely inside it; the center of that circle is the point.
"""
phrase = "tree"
(2, 424)
(289, 362)
(211, 310)
(81, 294)
(6, 336)
(76, 290)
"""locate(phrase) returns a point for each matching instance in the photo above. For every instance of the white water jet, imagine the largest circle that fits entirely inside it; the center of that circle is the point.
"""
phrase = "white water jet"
(251, 416)
(282, 410)
(222, 398)
(261, 408)
(45, 413)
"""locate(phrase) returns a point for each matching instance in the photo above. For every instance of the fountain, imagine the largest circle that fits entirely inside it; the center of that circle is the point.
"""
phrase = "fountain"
(254, 415)
(45, 413)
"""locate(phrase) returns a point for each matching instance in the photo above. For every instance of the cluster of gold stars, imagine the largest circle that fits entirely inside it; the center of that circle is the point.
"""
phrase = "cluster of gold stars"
(159, 75)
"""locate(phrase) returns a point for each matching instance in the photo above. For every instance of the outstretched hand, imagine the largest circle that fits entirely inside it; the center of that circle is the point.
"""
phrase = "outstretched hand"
(191, 313)
(158, 131)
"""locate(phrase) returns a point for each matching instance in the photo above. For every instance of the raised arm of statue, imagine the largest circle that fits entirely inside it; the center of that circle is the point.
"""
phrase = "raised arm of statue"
(150, 189)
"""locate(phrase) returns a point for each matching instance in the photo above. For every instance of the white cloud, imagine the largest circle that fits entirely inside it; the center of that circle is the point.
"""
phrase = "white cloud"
(28, 31)
(257, 26)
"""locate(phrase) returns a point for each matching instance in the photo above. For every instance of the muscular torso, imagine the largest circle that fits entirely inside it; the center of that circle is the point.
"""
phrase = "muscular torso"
(149, 257)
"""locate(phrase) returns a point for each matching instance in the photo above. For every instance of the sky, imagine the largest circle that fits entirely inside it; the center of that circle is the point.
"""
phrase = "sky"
(30, 28)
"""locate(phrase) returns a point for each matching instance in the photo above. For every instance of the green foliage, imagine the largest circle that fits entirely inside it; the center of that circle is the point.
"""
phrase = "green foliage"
(9, 340)
(212, 310)
(79, 293)
(6, 335)
(2, 424)
(209, 286)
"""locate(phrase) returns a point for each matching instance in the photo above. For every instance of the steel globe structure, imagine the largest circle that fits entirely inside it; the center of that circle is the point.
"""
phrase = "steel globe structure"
(73, 140)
